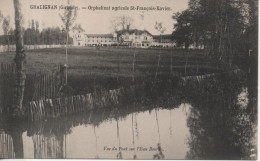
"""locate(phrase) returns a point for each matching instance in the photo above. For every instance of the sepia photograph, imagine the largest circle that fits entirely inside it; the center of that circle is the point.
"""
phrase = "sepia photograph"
(129, 79)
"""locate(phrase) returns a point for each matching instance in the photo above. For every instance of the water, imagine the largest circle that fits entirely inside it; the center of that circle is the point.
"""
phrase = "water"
(113, 136)
(216, 120)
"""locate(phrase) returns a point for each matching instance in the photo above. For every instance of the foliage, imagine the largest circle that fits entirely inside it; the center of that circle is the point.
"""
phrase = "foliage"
(7, 29)
(183, 29)
(6, 25)
(53, 36)
(159, 27)
(220, 26)
(69, 16)
(1, 16)
(33, 36)
(121, 23)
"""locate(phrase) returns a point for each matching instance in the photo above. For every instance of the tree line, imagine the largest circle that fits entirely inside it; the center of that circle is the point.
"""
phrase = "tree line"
(223, 27)
(33, 36)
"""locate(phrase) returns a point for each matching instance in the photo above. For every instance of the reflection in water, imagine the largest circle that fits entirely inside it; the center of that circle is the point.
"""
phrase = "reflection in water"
(221, 124)
(6, 146)
(242, 98)
(160, 154)
(136, 127)
(48, 147)
(170, 128)
(219, 131)
(216, 120)
(119, 155)
(97, 157)
(134, 157)
(81, 141)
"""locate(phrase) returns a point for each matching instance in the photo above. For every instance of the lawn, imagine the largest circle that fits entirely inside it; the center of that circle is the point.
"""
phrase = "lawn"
(92, 69)
(118, 62)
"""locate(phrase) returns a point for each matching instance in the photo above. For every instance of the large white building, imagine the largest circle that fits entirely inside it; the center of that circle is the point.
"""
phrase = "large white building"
(80, 38)
(130, 37)
(99, 39)
(135, 38)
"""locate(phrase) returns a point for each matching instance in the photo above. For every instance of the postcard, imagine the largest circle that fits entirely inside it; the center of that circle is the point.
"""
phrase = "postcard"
(129, 79)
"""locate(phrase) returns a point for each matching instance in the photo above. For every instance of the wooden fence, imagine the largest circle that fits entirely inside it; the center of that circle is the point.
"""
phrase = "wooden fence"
(48, 147)
(43, 91)
(4, 48)
(64, 106)
(200, 78)
(6, 86)
(37, 86)
(52, 108)
(43, 86)
(6, 146)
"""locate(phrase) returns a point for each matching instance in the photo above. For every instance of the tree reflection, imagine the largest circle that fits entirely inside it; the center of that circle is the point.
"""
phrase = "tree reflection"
(48, 146)
(133, 135)
(219, 127)
(159, 154)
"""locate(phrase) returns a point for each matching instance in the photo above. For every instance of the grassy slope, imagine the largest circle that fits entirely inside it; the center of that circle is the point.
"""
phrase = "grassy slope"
(109, 68)
(113, 62)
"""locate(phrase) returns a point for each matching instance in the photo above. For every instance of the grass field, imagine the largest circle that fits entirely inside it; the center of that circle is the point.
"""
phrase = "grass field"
(110, 68)
(116, 62)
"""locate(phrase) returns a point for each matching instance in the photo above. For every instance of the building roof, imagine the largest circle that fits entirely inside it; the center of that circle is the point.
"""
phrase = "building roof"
(169, 36)
(100, 35)
(135, 31)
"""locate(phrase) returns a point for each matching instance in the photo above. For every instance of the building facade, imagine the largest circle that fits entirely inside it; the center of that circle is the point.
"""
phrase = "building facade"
(80, 38)
(135, 38)
(130, 38)
(99, 39)
(163, 41)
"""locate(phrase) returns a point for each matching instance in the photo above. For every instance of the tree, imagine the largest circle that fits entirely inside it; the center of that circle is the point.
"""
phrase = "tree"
(68, 18)
(121, 23)
(6, 29)
(251, 36)
(218, 25)
(32, 35)
(37, 32)
(159, 27)
(183, 29)
(1, 16)
(19, 61)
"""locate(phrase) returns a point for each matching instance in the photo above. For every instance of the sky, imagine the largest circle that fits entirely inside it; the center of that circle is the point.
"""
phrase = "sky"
(98, 22)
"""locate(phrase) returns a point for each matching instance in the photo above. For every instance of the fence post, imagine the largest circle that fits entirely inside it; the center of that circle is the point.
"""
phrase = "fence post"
(63, 74)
